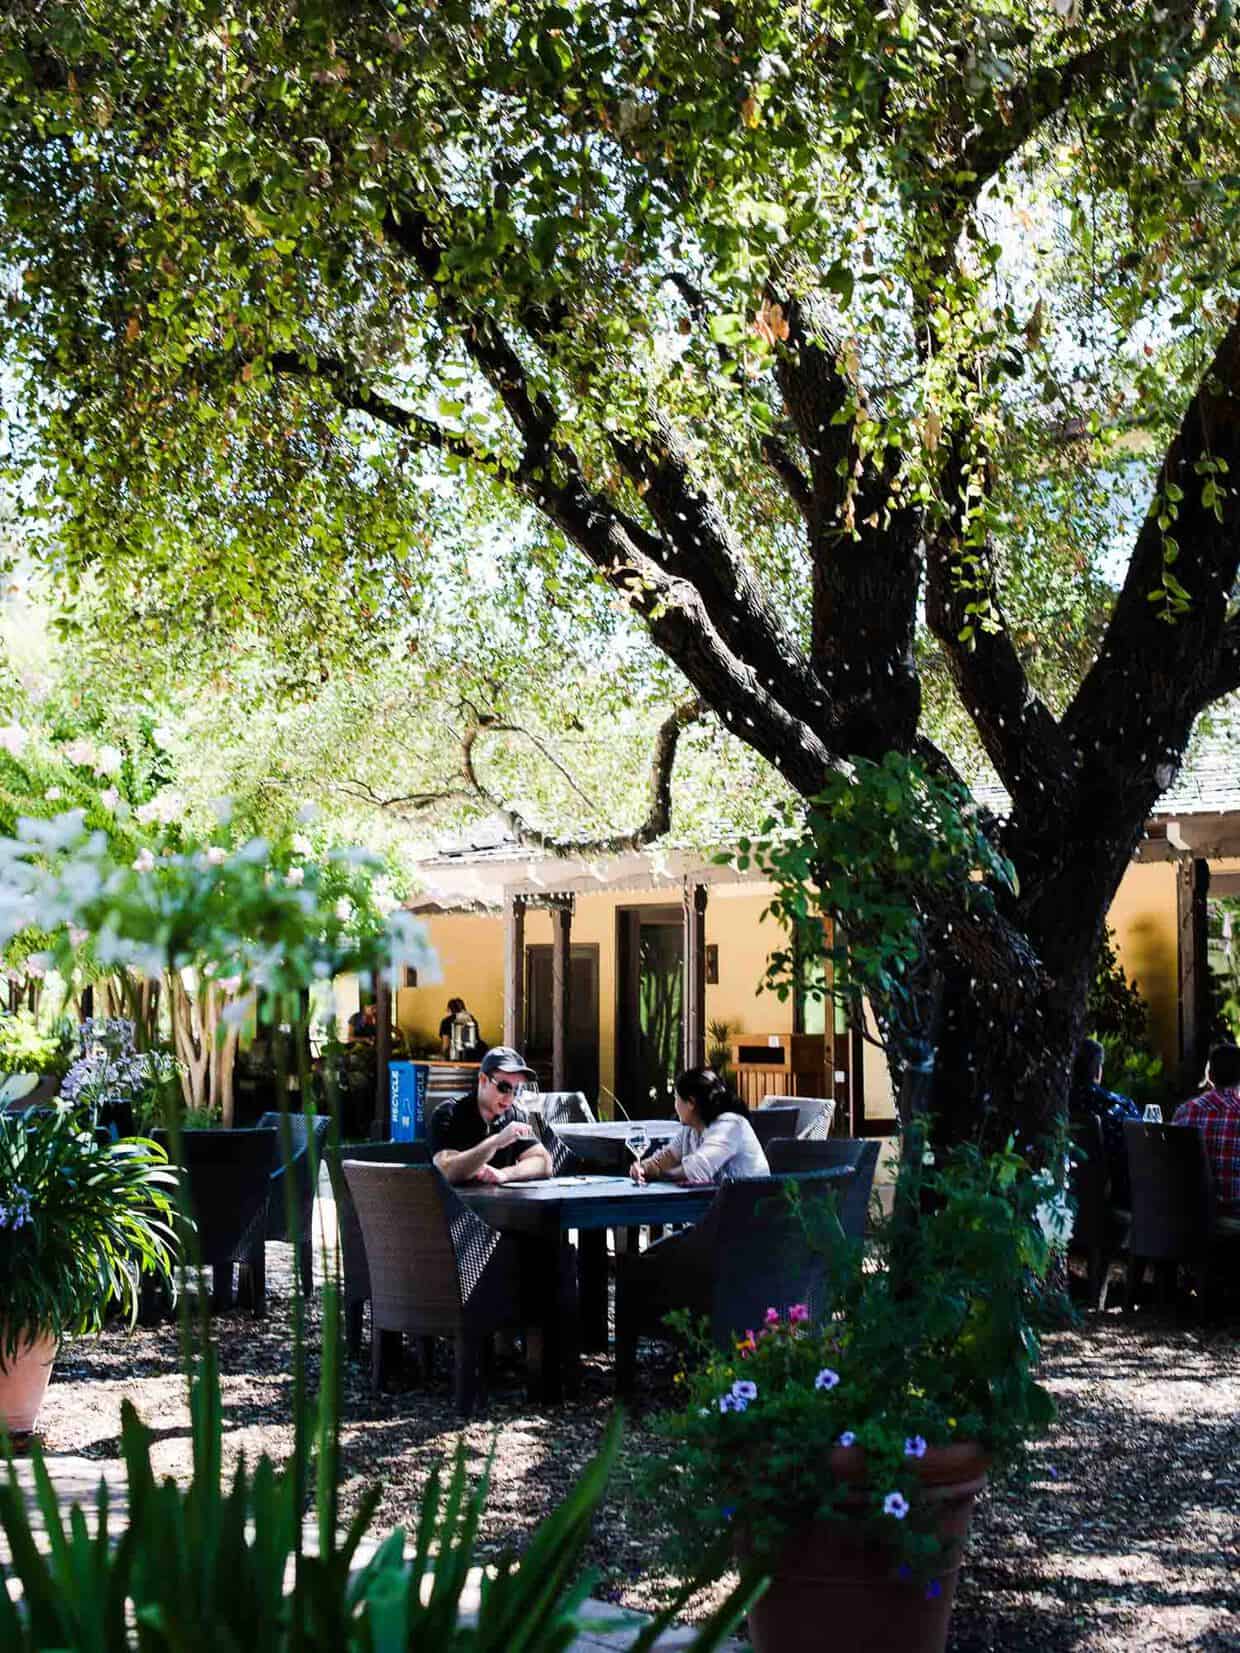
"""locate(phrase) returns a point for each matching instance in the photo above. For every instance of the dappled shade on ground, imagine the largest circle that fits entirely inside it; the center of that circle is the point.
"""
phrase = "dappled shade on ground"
(1127, 1534)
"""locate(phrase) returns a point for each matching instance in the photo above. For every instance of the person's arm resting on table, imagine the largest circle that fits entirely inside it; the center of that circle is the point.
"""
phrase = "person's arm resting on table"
(663, 1166)
(474, 1164)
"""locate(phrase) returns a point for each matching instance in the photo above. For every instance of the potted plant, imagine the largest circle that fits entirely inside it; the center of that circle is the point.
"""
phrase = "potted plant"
(79, 1221)
(845, 1448)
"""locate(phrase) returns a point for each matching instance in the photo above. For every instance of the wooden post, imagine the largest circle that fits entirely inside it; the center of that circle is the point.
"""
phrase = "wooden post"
(561, 989)
(694, 1009)
(514, 970)
(1192, 881)
(383, 1053)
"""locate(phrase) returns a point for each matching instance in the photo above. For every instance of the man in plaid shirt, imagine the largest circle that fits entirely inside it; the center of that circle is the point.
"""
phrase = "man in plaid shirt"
(1217, 1115)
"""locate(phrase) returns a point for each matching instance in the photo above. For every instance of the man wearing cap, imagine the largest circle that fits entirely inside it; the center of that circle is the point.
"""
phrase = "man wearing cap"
(483, 1136)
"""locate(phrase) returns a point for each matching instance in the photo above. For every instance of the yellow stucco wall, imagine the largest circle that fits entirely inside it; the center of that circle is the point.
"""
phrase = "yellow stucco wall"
(471, 961)
(1144, 921)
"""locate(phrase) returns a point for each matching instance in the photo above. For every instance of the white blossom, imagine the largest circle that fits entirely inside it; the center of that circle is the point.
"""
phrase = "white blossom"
(108, 760)
(302, 844)
(295, 876)
(13, 739)
(144, 862)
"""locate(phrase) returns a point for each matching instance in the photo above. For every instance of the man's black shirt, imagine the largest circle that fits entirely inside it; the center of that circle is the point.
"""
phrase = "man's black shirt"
(458, 1125)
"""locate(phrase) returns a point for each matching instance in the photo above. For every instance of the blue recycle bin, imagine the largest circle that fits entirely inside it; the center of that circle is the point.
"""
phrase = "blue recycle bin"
(407, 1082)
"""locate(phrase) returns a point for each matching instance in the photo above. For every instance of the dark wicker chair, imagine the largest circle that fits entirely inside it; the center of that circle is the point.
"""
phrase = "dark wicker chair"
(817, 1113)
(277, 1217)
(748, 1252)
(810, 1154)
(1174, 1219)
(1100, 1229)
(227, 1178)
(436, 1269)
(771, 1123)
(354, 1269)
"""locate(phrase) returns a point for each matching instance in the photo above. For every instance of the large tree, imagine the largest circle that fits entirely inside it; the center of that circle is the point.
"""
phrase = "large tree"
(786, 321)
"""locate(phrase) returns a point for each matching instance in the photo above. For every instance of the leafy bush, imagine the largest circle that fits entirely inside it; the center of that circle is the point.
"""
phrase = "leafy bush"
(205, 1566)
(25, 1048)
(78, 1223)
(929, 1342)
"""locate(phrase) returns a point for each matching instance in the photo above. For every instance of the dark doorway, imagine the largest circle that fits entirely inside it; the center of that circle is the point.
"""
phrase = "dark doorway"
(650, 970)
(581, 1054)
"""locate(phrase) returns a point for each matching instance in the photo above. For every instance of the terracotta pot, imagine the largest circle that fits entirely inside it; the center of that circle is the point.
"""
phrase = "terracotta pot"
(835, 1586)
(23, 1382)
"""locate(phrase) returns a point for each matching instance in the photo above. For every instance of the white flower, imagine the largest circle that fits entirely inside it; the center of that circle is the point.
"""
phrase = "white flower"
(81, 752)
(302, 844)
(108, 760)
(53, 794)
(230, 984)
(146, 813)
(145, 861)
(295, 876)
(344, 909)
(78, 937)
(109, 797)
(13, 739)
(216, 855)
(162, 736)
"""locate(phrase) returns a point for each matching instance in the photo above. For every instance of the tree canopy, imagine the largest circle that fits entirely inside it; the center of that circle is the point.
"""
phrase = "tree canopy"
(781, 324)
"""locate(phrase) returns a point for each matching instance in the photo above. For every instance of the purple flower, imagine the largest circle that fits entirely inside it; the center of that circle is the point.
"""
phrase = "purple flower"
(772, 1317)
(933, 1589)
(915, 1447)
(895, 1503)
(904, 1571)
(798, 1313)
(728, 1511)
(826, 1379)
(744, 1390)
(732, 1403)
(847, 1438)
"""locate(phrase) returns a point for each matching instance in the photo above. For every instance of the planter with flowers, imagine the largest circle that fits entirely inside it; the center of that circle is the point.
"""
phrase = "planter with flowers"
(845, 1448)
(79, 1222)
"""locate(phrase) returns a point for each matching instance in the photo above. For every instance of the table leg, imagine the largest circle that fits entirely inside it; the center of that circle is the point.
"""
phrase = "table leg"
(592, 1270)
(545, 1340)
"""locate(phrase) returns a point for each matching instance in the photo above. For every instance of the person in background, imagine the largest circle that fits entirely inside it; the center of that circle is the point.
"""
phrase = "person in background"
(716, 1139)
(1217, 1116)
(363, 1023)
(457, 1015)
(1087, 1099)
(483, 1136)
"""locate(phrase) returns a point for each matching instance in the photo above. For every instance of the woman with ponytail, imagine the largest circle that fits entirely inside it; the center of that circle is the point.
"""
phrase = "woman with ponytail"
(716, 1139)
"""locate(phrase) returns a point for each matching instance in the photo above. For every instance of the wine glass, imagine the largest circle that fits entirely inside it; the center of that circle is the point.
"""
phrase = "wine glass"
(637, 1141)
(1152, 1114)
(528, 1096)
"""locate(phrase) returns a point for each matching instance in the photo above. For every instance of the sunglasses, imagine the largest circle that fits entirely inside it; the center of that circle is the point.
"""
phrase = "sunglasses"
(504, 1088)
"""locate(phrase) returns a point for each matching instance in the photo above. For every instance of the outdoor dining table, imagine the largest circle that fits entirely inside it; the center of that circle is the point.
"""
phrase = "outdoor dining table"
(544, 1213)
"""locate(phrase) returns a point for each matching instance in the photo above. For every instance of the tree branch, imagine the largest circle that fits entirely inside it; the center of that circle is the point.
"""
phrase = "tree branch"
(1169, 643)
(789, 473)
(1022, 739)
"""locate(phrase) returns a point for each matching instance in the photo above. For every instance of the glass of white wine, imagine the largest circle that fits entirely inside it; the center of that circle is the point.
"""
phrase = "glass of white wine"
(637, 1141)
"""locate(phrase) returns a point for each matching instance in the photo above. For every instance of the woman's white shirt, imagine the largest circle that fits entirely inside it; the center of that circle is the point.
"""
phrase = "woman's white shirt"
(727, 1147)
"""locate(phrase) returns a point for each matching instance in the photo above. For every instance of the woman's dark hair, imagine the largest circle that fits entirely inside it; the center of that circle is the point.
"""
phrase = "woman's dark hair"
(456, 1004)
(1088, 1067)
(708, 1093)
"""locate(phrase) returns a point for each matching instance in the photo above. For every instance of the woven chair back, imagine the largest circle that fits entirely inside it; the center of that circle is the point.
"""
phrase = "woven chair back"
(861, 1153)
(770, 1123)
(277, 1217)
(762, 1256)
(1172, 1191)
(566, 1108)
(354, 1268)
(426, 1251)
(227, 1179)
(817, 1113)
(1088, 1185)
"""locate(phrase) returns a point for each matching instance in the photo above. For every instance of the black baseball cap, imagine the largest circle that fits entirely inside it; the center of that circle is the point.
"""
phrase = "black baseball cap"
(504, 1059)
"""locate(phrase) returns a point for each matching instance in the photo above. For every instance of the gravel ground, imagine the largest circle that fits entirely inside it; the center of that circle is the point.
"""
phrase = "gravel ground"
(1125, 1535)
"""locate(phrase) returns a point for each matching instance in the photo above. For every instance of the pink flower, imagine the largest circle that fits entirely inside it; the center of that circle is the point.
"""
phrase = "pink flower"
(798, 1312)
(772, 1317)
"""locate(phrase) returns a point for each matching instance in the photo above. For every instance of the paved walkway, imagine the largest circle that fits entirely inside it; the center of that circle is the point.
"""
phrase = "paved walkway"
(607, 1629)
